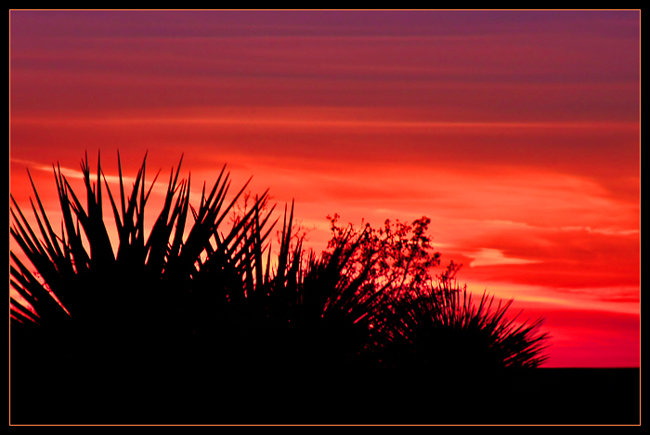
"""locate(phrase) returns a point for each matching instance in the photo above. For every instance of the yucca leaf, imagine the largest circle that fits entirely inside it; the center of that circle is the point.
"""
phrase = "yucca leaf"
(22, 314)
(77, 251)
(116, 214)
(160, 233)
(52, 234)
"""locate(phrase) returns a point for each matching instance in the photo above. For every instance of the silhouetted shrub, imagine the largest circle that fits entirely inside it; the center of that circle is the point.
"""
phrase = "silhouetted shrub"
(207, 305)
(441, 328)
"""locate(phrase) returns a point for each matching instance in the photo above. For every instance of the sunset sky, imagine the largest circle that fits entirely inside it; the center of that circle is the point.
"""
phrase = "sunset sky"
(516, 132)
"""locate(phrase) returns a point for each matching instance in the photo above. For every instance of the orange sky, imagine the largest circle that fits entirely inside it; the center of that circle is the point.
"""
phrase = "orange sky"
(517, 133)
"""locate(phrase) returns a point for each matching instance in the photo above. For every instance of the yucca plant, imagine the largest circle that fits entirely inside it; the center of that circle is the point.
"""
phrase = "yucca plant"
(441, 328)
(308, 319)
(185, 306)
(449, 359)
(105, 318)
(143, 331)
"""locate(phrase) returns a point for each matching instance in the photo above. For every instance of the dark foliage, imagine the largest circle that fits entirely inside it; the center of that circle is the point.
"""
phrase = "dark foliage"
(440, 328)
(202, 316)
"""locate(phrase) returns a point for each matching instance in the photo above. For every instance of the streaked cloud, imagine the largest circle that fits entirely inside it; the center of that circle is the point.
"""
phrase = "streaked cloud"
(494, 257)
(516, 132)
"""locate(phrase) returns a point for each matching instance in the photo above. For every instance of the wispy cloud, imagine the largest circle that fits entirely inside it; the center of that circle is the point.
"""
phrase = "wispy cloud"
(494, 257)
(517, 132)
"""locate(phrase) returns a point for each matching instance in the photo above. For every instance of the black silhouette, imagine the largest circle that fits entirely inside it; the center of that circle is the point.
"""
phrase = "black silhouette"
(196, 325)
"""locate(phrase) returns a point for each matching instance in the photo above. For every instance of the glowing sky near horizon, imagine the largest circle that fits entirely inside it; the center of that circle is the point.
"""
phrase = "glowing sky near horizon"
(517, 133)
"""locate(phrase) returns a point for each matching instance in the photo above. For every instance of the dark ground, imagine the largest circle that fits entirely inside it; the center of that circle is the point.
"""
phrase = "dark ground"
(541, 396)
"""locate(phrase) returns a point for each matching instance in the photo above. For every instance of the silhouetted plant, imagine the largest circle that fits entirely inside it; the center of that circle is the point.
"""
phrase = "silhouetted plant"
(312, 316)
(183, 299)
(401, 253)
(430, 322)
(134, 316)
(192, 304)
(441, 328)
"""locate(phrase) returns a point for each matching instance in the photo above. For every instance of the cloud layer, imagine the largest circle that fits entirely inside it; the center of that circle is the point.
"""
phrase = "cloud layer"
(516, 132)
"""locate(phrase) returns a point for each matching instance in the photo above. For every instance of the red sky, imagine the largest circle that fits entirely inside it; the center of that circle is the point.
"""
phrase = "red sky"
(517, 133)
